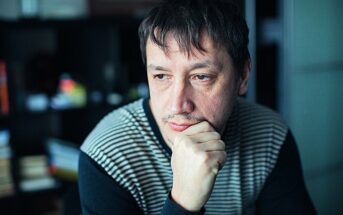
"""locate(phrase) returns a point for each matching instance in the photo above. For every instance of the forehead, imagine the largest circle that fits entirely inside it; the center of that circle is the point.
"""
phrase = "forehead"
(211, 52)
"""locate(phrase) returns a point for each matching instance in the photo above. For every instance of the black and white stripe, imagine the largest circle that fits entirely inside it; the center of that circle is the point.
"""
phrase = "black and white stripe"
(129, 146)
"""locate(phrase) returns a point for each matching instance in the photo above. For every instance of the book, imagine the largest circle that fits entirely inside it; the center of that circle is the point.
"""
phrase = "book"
(5, 152)
(6, 189)
(63, 158)
(34, 172)
(4, 101)
(6, 180)
(4, 137)
(36, 184)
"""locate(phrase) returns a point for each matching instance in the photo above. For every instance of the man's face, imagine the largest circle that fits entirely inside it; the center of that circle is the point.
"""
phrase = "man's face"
(185, 90)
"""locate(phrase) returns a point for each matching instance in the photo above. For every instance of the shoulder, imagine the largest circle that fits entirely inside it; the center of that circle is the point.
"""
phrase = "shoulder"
(115, 130)
(256, 135)
(255, 118)
(262, 133)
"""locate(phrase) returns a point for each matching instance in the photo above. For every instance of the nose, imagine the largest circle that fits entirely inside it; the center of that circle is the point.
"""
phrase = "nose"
(181, 98)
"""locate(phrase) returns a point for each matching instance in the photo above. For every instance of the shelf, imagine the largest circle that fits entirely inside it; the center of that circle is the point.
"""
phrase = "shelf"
(100, 52)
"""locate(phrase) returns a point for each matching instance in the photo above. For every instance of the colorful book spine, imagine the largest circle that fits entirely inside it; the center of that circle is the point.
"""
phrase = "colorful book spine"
(4, 102)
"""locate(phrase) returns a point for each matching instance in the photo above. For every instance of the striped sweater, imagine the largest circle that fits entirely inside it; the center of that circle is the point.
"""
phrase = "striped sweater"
(128, 145)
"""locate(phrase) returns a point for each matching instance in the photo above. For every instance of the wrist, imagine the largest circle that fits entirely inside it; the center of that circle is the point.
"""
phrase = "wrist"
(185, 201)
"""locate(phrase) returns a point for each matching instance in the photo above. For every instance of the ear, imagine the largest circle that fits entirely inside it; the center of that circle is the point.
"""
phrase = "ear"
(243, 80)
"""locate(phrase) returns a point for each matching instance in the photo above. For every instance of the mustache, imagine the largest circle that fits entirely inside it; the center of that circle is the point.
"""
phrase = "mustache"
(184, 116)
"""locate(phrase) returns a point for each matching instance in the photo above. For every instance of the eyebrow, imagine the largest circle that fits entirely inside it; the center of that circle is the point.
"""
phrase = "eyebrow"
(199, 65)
(158, 68)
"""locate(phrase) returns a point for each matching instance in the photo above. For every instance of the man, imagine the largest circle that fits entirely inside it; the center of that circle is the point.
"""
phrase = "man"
(193, 147)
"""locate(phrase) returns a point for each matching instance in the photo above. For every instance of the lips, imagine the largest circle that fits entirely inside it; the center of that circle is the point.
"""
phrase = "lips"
(179, 127)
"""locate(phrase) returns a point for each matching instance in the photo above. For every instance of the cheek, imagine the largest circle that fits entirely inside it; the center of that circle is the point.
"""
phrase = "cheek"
(154, 94)
(157, 103)
(213, 108)
(221, 108)
(216, 107)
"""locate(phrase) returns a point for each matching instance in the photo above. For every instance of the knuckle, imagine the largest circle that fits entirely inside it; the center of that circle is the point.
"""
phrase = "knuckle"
(218, 144)
(223, 157)
(216, 135)
(205, 157)
(188, 145)
(222, 144)
(195, 148)
(215, 171)
(206, 126)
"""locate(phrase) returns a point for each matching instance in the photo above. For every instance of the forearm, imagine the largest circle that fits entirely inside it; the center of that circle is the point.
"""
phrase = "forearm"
(99, 194)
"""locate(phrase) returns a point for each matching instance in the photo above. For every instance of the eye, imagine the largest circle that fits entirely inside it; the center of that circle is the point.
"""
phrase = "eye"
(160, 77)
(201, 77)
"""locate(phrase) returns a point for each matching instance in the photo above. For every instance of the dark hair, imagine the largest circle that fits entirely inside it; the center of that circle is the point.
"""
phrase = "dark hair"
(187, 20)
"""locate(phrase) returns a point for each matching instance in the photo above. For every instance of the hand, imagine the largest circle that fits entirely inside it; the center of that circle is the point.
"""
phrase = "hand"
(198, 154)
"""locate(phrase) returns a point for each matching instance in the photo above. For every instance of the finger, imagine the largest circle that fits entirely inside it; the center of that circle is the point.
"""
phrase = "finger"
(217, 161)
(200, 127)
(180, 139)
(205, 136)
(213, 145)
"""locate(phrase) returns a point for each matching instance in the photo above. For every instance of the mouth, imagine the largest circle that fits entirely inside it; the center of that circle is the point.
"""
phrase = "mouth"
(179, 127)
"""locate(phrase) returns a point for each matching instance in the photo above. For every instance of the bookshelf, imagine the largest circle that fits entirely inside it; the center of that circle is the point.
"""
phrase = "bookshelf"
(58, 78)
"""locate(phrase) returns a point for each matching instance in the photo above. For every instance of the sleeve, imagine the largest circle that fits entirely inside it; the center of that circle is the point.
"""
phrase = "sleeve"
(172, 208)
(100, 194)
(284, 191)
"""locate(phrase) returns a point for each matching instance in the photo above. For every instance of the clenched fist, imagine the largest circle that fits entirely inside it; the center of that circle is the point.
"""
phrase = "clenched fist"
(198, 155)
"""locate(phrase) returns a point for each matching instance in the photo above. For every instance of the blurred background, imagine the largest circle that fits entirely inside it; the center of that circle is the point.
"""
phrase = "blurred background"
(64, 64)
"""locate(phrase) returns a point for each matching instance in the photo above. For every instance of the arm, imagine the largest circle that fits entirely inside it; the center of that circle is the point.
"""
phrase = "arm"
(285, 191)
(198, 155)
(100, 194)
